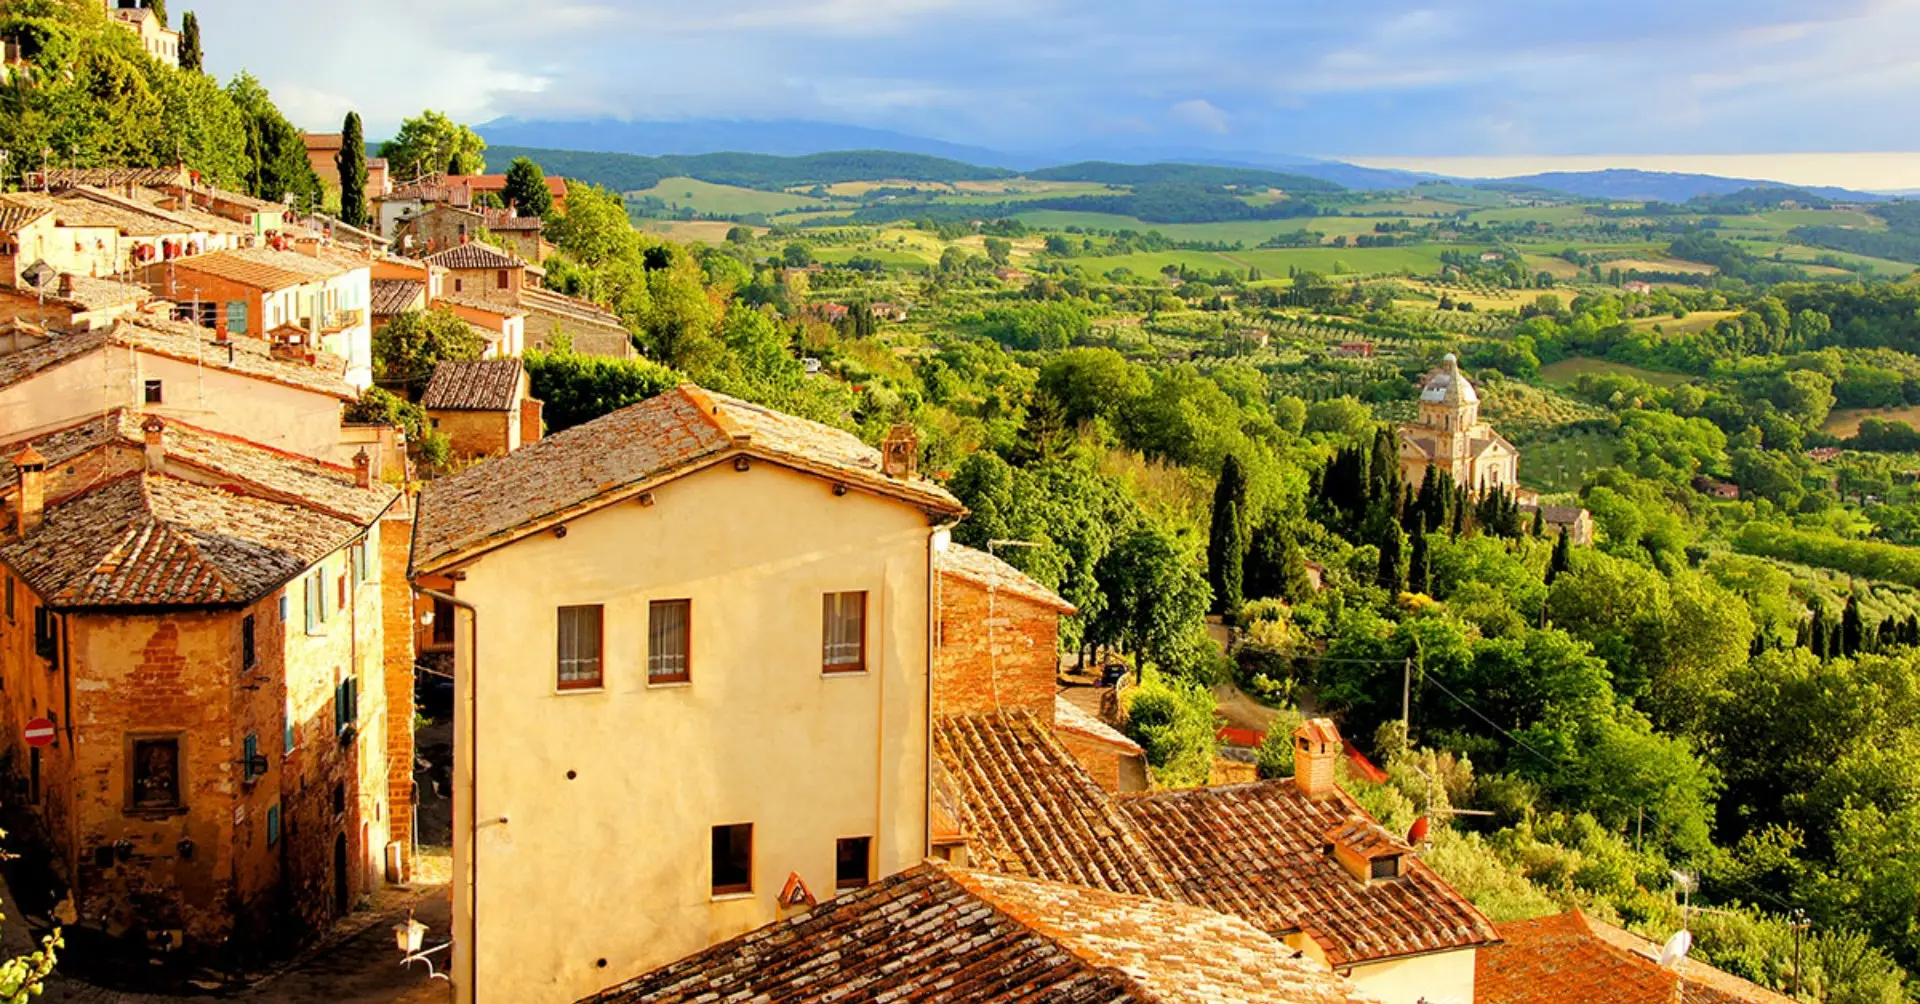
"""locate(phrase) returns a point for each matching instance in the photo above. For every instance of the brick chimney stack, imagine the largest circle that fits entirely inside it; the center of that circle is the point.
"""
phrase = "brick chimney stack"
(1316, 749)
(363, 469)
(900, 452)
(33, 487)
(154, 430)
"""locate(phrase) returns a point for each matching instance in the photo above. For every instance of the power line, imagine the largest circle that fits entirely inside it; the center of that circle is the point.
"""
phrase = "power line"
(1549, 761)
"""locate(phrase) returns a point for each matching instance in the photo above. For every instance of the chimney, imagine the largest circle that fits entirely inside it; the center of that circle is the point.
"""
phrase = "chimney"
(154, 430)
(900, 452)
(363, 469)
(33, 487)
(1316, 749)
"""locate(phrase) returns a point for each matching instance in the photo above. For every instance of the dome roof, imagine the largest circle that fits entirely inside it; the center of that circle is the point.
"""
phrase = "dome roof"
(1447, 385)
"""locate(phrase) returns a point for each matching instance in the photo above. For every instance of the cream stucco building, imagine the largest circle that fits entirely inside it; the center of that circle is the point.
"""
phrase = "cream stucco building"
(693, 661)
(1450, 437)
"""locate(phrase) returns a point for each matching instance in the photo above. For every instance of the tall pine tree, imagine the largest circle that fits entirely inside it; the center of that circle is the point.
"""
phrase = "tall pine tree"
(1562, 559)
(352, 162)
(190, 42)
(1227, 538)
(1392, 575)
(1419, 571)
(1853, 635)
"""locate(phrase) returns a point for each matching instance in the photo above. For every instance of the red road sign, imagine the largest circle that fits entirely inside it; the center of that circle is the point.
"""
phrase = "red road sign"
(39, 732)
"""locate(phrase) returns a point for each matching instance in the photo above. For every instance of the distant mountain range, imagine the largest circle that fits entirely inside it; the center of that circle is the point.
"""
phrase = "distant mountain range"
(719, 150)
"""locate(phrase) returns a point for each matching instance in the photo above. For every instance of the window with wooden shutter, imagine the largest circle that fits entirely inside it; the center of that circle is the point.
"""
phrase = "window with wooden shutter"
(732, 859)
(579, 651)
(155, 773)
(249, 651)
(845, 633)
(669, 641)
(852, 868)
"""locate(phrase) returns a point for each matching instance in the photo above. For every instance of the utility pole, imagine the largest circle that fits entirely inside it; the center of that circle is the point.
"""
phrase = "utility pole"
(1799, 924)
(1406, 700)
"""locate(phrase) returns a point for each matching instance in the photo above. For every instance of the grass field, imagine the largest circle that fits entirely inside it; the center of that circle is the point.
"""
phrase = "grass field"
(724, 200)
(1699, 320)
(1565, 372)
(1804, 256)
(1248, 232)
(1562, 464)
(1276, 262)
(1846, 422)
(1557, 215)
(1661, 265)
(1559, 268)
(696, 231)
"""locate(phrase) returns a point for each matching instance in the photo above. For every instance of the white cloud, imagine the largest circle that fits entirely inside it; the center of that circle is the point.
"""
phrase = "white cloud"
(1200, 114)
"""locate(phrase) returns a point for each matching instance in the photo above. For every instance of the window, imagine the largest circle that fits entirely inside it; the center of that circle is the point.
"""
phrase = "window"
(845, 630)
(46, 634)
(851, 870)
(156, 773)
(155, 392)
(286, 607)
(357, 559)
(580, 647)
(206, 313)
(442, 622)
(316, 598)
(340, 587)
(458, 284)
(9, 593)
(248, 653)
(1387, 867)
(287, 740)
(669, 634)
(273, 824)
(251, 765)
(500, 279)
(237, 317)
(346, 705)
(732, 859)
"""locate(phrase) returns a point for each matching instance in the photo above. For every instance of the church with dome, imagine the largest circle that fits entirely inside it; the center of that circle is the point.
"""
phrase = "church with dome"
(1449, 436)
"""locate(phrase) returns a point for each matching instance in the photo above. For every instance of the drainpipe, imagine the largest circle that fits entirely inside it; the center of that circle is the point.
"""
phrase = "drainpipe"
(473, 724)
(933, 630)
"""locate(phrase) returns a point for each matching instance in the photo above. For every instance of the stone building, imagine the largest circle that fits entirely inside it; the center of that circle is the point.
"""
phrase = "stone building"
(202, 619)
(484, 407)
(1449, 436)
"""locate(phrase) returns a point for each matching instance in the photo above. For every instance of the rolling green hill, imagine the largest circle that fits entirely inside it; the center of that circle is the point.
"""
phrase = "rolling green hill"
(1106, 173)
(628, 172)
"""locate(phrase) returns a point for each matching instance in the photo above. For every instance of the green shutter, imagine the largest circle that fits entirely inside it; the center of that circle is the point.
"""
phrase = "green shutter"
(237, 317)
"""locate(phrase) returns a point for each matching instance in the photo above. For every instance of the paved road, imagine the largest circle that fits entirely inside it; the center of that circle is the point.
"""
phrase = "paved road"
(359, 966)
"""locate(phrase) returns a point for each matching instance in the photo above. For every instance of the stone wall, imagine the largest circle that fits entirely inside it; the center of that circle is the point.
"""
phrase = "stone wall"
(397, 612)
(478, 433)
(995, 653)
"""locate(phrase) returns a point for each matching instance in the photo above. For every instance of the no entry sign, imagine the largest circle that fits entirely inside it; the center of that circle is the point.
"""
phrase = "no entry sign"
(39, 732)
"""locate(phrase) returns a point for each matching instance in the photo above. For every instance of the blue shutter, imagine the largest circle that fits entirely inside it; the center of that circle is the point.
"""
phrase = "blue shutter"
(273, 825)
(313, 599)
(237, 317)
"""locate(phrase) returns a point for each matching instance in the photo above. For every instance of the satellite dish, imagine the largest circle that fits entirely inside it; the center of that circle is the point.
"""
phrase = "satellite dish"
(1676, 949)
(39, 274)
(1418, 834)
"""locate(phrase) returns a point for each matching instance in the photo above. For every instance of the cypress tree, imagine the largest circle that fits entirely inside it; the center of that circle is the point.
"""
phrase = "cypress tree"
(1539, 522)
(190, 42)
(1852, 631)
(352, 162)
(1419, 575)
(1562, 560)
(1392, 575)
(1817, 634)
(1227, 538)
(1428, 502)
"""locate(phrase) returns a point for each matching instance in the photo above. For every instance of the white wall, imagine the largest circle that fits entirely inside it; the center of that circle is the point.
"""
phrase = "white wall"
(1442, 978)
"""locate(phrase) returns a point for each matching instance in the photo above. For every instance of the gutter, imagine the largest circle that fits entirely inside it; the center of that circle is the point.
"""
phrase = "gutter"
(473, 757)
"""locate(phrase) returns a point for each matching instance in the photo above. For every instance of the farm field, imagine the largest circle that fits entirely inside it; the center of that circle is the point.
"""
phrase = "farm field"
(1699, 320)
(1661, 265)
(1562, 464)
(1364, 261)
(700, 231)
(1801, 254)
(724, 200)
(1248, 232)
(1559, 268)
(1846, 422)
(1556, 215)
(1566, 371)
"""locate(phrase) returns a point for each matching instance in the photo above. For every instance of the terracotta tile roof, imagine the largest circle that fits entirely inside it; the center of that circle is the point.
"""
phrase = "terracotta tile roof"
(569, 307)
(983, 569)
(147, 200)
(397, 296)
(498, 182)
(611, 457)
(474, 256)
(501, 221)
(1572, 958)
(1070, 717)
(260, 268)
(152, 540)
(504, 308)
(936, 933)
(1260, 851)
(61, 177)
(70, 210)
(13, 215)
(1028, 808)
(323, 140)
(87, 293)
(480, 385)
(200, 454)
(186, 343)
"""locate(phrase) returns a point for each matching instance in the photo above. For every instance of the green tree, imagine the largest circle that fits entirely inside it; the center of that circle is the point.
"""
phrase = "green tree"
(431, 142)
(1392, 574)
(526, 189)
(159, 9)
(190, 56)
(1276, 567)
(579, 389)
(406, 351)
(1089, 383)
(1419, 568)
(1173, 721)
(352, 164)
(1227, 539)
(796, 255)
(278, 156)
(1562, 560)
(1156, 597)
(999, 250)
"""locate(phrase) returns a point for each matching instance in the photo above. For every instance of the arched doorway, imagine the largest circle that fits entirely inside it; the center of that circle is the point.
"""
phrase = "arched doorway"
(341, 886)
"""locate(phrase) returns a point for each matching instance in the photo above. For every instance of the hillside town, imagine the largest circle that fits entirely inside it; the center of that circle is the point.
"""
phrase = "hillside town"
(420, 584)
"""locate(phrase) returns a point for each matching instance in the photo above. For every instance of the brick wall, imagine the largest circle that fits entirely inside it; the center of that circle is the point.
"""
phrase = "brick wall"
(1101, 760)
(1019, 671)
(397, 612)
(530, 420)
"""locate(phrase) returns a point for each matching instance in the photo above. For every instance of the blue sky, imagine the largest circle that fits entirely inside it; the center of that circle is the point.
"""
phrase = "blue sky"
(1315, 77)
